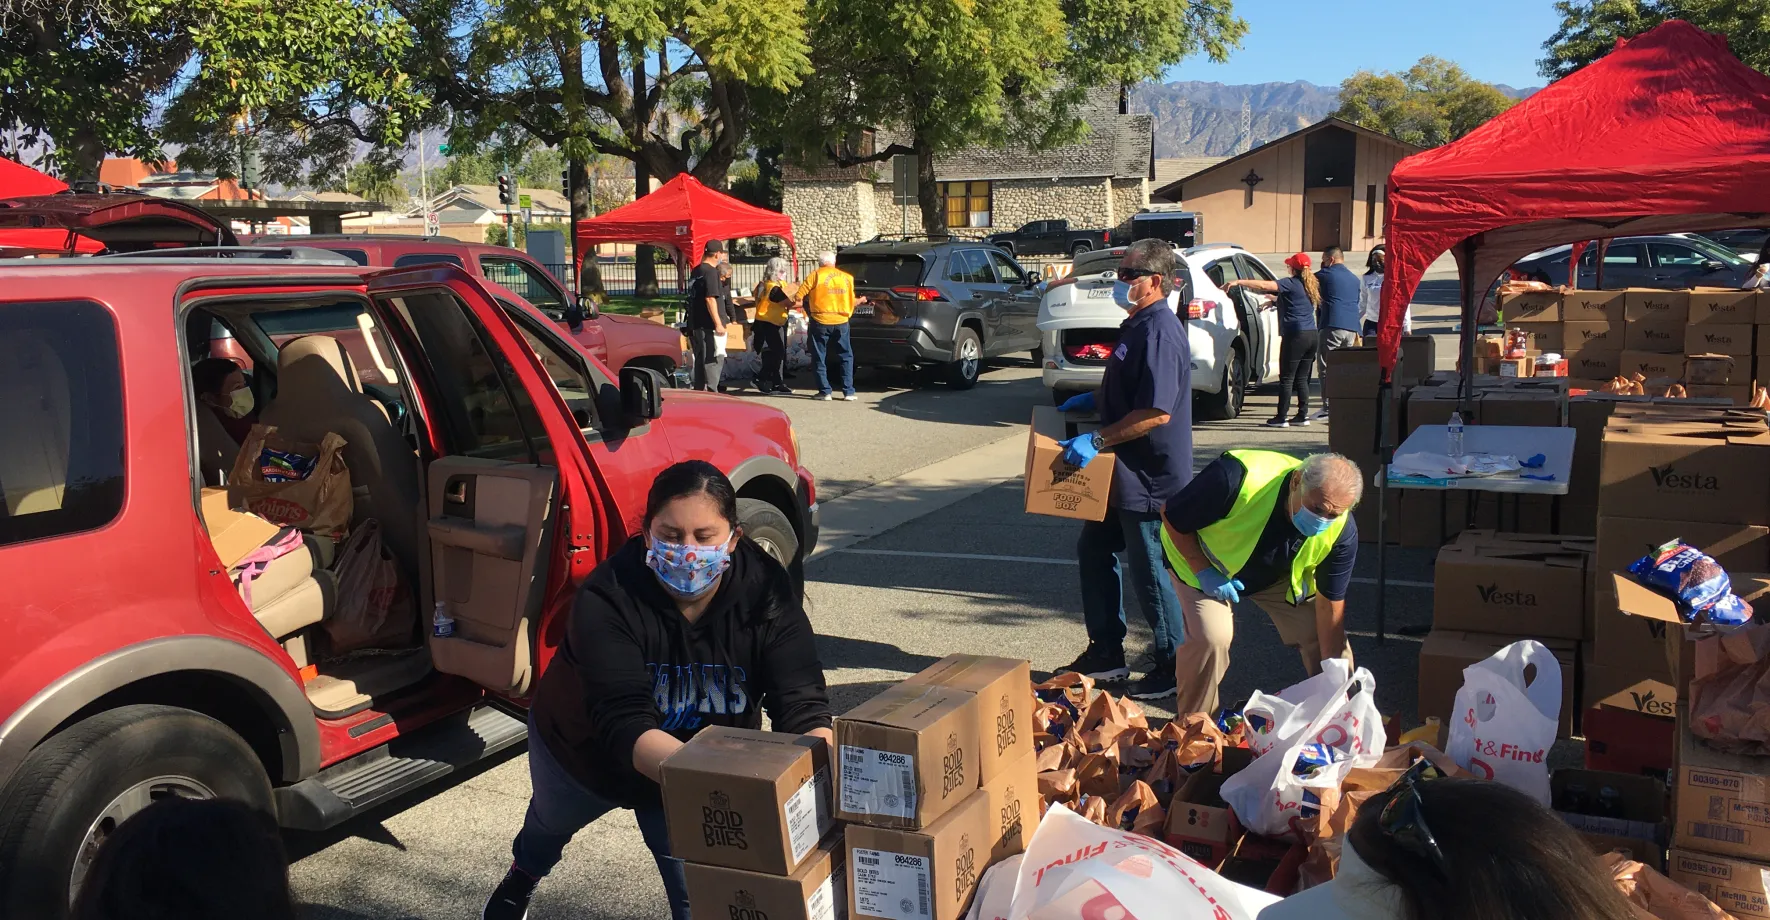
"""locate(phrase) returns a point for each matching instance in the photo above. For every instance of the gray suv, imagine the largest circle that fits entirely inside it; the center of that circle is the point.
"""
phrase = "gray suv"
(950, 303)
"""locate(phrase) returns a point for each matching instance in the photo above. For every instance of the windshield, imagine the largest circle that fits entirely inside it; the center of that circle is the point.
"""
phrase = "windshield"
(882, 270)
(1716, 251)
(1096, 262)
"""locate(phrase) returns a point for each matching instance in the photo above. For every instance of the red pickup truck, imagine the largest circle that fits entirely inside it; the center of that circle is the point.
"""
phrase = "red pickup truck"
(500, 461)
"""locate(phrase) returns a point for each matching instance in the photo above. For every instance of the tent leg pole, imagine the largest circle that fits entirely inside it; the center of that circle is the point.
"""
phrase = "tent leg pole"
(1471, 314)
(1385, 453)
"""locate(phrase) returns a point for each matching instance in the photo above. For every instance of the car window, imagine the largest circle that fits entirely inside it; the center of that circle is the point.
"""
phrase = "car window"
(1007, 269)
(565, 369)
(1103, 260)
(882, 270)
(355, 255)
(1253, 268)
(486, 410)
(969, 266)
(347, 321)
(1222, 271)
(61, 408)
(527, 281)
(1035, 226)
(1671, 255)
(427, 258)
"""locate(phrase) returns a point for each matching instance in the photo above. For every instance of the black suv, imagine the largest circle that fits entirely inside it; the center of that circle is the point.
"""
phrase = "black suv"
(951, 303)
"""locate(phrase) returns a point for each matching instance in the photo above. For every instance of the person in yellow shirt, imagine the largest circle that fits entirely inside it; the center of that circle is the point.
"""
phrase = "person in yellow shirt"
(828, 296)
(774, 298)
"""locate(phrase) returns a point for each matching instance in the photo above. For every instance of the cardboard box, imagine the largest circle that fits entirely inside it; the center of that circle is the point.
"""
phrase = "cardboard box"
(1761, 337)
(1632, 644)
(1621, 741)
(746, 799)
(1654, 307)
(1353, 373)
(1587, 416)
(1434, 405)
(1445, 654)
(1002, 710)
(1200, 823)
(818, 890)
(234, 533)
(1353, 433)
(1655, 366)
(1418, 359)
(1637, 803)
(1638, 602)
(1592, 306)
(1720, 802)
(1690, 472)
(1624, 691)
(1059, 489)
(1600, 364)
(1528, 408)
(1723, 305)
(1515, 367)
(1544, 337)
(1733, 394)
(1719, 339)
(1583, 336)
(1709, 370)
(1014, 804)
(1531, 307)
(934, 871)
(1737, 547)
(906, 756)
(1739, 887)
(1492, 585)
(1659, 335)
(1651, 855)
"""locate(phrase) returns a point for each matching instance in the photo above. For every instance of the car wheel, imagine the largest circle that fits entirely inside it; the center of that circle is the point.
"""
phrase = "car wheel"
(769, 528)
(1226, 403)
(1080, 249)
(1038, 355)
(75, 789)
(1006, 247)
(967, 364)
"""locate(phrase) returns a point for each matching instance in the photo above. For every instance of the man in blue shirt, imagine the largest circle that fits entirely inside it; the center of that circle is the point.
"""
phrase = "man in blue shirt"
(1340, 312)
(1145, 407)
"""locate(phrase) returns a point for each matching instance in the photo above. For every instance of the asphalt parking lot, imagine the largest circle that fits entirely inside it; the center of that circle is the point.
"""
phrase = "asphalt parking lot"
(927, 552)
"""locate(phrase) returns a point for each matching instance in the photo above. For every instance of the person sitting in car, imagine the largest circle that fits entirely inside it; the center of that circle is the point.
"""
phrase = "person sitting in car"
(226, 413)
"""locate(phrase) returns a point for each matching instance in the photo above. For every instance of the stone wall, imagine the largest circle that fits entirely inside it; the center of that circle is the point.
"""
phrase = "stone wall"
(827, 214)
(830, 213)
(1128, 196)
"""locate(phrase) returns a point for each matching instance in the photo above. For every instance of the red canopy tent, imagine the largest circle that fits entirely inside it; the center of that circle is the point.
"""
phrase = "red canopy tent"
(685, 214)
(1668, 132)
(18, 181)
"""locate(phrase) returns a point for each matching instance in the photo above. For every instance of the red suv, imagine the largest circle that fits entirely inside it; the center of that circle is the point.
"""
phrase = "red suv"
(501, 464)
(615, 340)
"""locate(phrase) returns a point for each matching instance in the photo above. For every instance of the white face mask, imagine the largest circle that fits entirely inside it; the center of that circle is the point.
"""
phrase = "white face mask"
(241, 403)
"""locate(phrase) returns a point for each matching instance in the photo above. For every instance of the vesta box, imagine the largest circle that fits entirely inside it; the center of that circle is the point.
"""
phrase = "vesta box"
(906, 756)
(1592, 306)
(1722, 801)
(1531, 307)
(817, 891)
(747, 799)
(1524, 589)
(1057, 488)
(1719, 305)
(1003, 709)
(1656, 307)
(1579, 336)
(1686, 472)
(1655, 366)
(1719, 339)
(1014, 803)
(929, 874)
(1737, 886)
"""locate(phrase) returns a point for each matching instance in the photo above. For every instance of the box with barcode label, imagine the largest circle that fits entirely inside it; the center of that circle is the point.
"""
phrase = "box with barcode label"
(1740, 888)
(817, 890)
(906, 756)
(1722, 801)
(1004, 705)
(746, 799)
(929, 874)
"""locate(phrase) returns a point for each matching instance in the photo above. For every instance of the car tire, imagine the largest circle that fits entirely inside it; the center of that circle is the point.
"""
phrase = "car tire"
(1226, 403)
(770, 529)
(1079, 250)
(75, 788)
(1038, 355)
(967, 364)
(1007, 248)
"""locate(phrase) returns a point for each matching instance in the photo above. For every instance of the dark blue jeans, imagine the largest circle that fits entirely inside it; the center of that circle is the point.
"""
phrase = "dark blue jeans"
(1137, 534)
(559, 807)
(823, 337)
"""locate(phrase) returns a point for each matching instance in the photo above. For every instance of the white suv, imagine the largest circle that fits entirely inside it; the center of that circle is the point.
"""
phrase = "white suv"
(1234, 337)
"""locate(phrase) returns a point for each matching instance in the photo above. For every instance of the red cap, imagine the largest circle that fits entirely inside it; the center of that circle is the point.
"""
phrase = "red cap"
(1299, 261)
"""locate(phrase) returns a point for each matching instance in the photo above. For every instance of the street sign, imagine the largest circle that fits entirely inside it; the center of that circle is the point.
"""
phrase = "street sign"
(442, 149)
(432, 224)
(903, 180)
(527, 213)
(525, 202)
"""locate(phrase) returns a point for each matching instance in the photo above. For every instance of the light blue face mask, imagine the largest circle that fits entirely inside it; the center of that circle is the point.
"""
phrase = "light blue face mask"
(1121, 294)
(1310, 524)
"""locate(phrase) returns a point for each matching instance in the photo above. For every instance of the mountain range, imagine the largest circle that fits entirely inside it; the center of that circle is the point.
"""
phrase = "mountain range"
(1195, 118)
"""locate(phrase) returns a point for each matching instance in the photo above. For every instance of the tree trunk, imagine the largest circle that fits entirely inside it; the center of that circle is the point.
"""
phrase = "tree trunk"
(927, 192)
(584, 267)
(645, 271)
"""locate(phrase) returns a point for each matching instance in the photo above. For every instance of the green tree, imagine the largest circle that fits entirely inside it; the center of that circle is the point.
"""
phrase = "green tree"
(1590, 28)
(1431, 103)
(947, 75)
(373, 181)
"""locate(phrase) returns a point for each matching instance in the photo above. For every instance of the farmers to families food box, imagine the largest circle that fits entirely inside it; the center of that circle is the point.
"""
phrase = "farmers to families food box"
(1060, 489)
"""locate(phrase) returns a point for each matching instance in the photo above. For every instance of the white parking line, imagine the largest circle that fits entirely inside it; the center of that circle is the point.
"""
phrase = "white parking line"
(1050, 560)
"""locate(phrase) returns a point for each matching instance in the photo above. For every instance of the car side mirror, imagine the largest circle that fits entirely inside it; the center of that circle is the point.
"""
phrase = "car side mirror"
(1713, 266)
(642, 394)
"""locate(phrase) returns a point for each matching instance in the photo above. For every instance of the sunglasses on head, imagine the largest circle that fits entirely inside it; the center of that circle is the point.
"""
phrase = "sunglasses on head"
(1403, 819)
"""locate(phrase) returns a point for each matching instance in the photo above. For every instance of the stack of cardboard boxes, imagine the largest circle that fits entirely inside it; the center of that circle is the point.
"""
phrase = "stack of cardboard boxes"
(938, 779)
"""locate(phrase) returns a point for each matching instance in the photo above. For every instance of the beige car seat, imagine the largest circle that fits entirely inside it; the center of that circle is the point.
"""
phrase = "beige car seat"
(291, 594)
(318, 391)
(35, 400)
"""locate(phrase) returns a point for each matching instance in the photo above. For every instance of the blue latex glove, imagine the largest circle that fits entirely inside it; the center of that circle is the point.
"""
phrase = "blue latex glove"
(1077, 451)
(1220, 586)
(1081, 402)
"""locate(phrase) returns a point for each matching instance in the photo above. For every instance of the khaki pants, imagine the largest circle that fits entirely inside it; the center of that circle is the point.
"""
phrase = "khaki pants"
(1200, 663)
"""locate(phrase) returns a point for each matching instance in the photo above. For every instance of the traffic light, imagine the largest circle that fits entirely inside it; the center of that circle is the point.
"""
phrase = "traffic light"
(565, 183)
(506, 194)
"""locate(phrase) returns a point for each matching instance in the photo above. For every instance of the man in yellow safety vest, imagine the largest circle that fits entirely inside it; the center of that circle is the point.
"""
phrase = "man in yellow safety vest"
(1275, 529)
(829, 299)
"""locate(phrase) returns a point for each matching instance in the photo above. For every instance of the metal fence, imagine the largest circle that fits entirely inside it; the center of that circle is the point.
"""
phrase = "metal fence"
(617, 275)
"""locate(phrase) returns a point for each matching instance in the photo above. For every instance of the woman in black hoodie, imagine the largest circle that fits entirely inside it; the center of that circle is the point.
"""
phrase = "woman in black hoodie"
(688, 625)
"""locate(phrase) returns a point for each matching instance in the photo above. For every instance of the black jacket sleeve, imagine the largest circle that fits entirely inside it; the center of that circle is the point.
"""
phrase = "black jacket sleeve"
(612, 670)
(793, 689)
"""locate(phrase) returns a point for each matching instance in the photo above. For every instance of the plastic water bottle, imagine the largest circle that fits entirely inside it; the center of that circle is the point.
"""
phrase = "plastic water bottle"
(441, 624)
(1455, 430)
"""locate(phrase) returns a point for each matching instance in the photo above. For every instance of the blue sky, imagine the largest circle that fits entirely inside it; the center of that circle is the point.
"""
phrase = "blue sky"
(1323, 42)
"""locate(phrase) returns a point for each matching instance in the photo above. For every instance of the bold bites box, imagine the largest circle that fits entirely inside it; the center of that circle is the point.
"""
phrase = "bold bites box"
(1531, 307)
(1685, 472)
(1738, 886)
(746, 799)
(1491, 585)
(1003, 709)
(1059, 489)
(1719, 339)
(906, 756)
(817, 890)
(1721, 803)
(1723, 305)
(929, 874)
(1592, 307)
(1014, 803)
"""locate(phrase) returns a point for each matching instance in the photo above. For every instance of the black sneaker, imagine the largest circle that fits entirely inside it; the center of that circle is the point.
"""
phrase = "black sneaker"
(510, 901)
(1277, 423)
(1158, 684)
(1100, 663)
(1301, 421)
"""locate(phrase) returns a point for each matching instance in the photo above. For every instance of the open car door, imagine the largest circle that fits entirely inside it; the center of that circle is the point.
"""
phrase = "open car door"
(508, 465)
(122, 223)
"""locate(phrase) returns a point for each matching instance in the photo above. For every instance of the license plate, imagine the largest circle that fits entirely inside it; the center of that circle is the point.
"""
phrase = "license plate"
(865, 309)
(1098, 294)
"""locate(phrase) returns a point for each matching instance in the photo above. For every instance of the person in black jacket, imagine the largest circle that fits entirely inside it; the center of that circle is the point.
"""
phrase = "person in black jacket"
(689, 625)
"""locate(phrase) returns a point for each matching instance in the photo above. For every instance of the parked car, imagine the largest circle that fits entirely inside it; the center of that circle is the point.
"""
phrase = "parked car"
(615, 340)
(1050, 237)
(1234, 337)
(1168, 222)
(1748, 243)
(501, 462)
(945, 303)
(1664, 262)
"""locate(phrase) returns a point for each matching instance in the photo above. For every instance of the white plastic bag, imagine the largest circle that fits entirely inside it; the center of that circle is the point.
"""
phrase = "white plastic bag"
(995, 894)
(1502, 727)
(1276, 720)
(1076, 869)
(1342, 723)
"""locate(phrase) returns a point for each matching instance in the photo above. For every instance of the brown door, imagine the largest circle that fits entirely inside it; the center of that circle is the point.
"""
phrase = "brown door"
(1324, 225)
